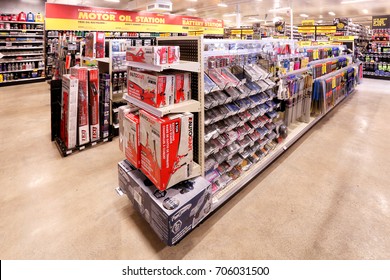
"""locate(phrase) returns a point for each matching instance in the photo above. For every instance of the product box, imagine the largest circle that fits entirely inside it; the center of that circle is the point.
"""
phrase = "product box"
(104, 105)
(171, 213)
(132, 145)
(95, 45)
(182, 87)
(152, 88)
(122, 112)
(166, 148)
(154, 55)
(68, 129)
(81, 73)
(173, 54)
(94, 123)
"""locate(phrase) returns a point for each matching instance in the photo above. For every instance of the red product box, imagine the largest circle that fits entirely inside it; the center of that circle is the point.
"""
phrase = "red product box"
(81, 73)
(182, 87)
(132, 139)
(152, 88)
(68, 126)
(122, 112)
(155, 55)
(173, 54)
(94, 124)
(166, 148)
(95, 45)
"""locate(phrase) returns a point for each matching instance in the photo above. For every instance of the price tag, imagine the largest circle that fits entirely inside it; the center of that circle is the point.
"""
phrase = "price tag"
(334, 82)
(323, 68)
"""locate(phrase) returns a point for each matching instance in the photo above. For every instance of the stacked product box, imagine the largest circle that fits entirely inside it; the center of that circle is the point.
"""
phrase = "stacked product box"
(81, 73)
(95, 45)
(171, 213)
(166, 148)
(68, 129)
(104, 105)
(152, 88)
(93, 82)
(182, 91)
(154, 55)
(131, 139)
(122, 112)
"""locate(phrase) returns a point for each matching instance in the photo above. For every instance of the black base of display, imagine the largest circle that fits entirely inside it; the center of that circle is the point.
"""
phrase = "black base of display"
(376, 77)
(64, 151)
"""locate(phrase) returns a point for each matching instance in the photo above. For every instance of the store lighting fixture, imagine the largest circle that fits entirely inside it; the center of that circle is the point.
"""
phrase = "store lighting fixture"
(115, 1)
(230, 15)
(354, 1)
(304, 15)
(365, 11)
(191, 10)
(320, 16)
(320, 21)
(276, 19)
(280, 9)
(332, 13)
(223, 5)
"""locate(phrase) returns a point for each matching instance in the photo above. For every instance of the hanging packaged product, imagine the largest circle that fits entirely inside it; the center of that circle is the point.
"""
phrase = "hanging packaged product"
(166, 148)
(152, 88)
(95, 45)
(81, 73)
(68, 126)
(104, 102)
(171, 213)
(132, 145)
(93, 83)
(154, 55)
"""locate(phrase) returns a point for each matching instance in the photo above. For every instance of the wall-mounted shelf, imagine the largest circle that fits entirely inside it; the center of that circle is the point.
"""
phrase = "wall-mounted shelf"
(182, 66)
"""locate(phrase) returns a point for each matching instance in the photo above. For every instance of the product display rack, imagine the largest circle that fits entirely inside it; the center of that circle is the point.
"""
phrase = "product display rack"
(21, 52)
(193, 48)
(376, 65)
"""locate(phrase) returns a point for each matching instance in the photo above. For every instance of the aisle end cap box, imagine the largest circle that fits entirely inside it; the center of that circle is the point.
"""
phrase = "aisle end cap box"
(171, 213)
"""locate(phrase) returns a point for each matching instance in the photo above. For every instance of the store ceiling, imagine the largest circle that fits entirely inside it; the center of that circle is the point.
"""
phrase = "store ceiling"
(258, 10)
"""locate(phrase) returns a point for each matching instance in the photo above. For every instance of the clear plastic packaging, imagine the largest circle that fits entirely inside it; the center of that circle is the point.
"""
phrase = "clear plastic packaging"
(233, 93)
(255, 135)
(246, 152)
(272, 114)
(254, 158)
(210, 163)
(209, 117)
(224, 167)
(234, 173)
(209, 85)
(263, 131)
(255, 113)
(221, 126)
(221, 97)
(209, 148)
(209, 101)
(236, 159)
(232, 135)
(223, 181)
(232, 148)
(256, 99)
(245, 142)
(212, 175)
(217, 78)
(210, 132)
(221, 156)
(223, 139)
(244, 116)
(230, 124)
(270, 126)
(243, 105)
(245, 165)
(244, 90)
(255, 88)
(233, 109)
(221, 112)
(232, 80)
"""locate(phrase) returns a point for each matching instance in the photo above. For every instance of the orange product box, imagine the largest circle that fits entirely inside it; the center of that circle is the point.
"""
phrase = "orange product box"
(166, 148)
(152, 88)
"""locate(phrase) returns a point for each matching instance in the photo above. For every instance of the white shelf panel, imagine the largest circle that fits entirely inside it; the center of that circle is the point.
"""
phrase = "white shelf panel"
(22, 54)
(21, 60)
(20, 48)
(104, 59)
(22, 35)
(20, 80)
(187, 106)
(21, 42)
(26, 22)
(23, 30)
(182, 66)
(231, 52)
(25, 70)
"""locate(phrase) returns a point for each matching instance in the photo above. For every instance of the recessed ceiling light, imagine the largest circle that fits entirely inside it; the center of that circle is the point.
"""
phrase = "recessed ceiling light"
(354, 1)
(116, 1)
(191, 10)
(304, 15)
(223, 5)
(320, 21)
(365, 11)
(332, 13)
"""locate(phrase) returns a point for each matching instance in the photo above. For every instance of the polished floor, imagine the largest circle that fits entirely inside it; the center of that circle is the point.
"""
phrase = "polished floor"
(327, 197)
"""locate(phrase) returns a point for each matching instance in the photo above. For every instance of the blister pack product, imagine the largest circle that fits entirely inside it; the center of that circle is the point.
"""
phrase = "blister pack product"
(256, 146)
(255, 112)
(244, 116)
(263, 120)
(263, 85)
(223, 139)
(264, 108)
(264, 97)
(261, 153)
(263, 131)
(81, 73)
(254, 158)
(220, 97)
(173, 54)
(224, 167)
(255, 88)
(271, 135)
(266, 119)
(209, 101)
(233, 109)
(68, 125)
(233, 93)
(217, 144)
(210, 163)
(263, 141)
(236, 159)
(209, 117)
(234, 173)
(212, 175)
(271, 84)
(210, 132)
(166, 148)
(270, 126)
(245, 142)
(244, 104)
(221, 126)
(209, 148)
(271, 94)
(251, 74)
(245, 91)
(256, 99)
(209, 85)
(248, 128)
(248, 151)
(152, 88)
(218, 79)
(232, 149)
(232, 80)
(153, 55)
(94, 121)
(221, 156)
(263, 73)
(223, 181)
(255, 135)
(232, 135)
(245, 165)
(238, 71)
(272, 114)
(241, 131)
(271, 104)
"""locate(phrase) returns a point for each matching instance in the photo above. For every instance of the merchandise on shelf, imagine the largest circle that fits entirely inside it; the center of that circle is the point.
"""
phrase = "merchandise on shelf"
(154, 55)
(166, 148)
(122, 112)
(132, 144)
(95, 45)
(172, 213)
(81, 73)
(68, 125)
(93, 85)
(104, 103)
(182, 87)
(152, 88)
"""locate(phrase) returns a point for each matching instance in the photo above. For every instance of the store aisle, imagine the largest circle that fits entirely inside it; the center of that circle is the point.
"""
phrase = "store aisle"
(328, 197)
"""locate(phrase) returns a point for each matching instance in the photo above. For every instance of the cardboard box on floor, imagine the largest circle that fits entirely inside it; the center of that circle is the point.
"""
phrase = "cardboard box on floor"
(94, 123)
(171, 213)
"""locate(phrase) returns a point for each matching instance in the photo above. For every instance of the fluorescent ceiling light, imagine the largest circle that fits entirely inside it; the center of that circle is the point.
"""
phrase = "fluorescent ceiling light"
(304, 15)
(320, 21)
(193, 0)
(365, 11)
(331, 13)
(230, 15)
(280, 9)
(223, 5)
(353, 1)
(116, 1)
(191, 10)
(227, 20)
(320, 16)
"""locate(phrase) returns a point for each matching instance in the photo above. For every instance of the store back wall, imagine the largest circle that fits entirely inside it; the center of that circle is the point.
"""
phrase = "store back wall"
(17, 6)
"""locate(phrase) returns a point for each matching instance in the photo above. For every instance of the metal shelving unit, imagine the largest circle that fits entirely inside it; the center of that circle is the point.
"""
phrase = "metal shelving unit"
(17, 47)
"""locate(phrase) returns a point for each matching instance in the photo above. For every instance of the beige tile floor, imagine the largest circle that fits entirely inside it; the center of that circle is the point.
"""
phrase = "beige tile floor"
(328, 197)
